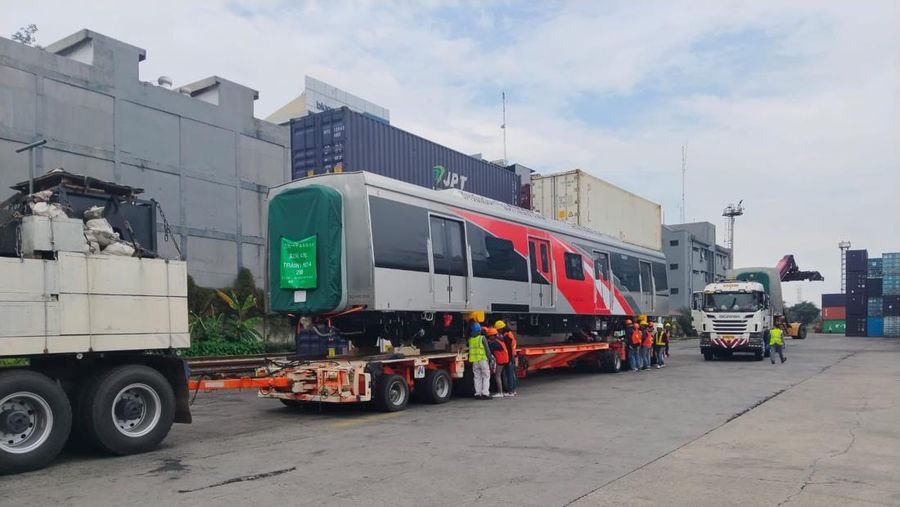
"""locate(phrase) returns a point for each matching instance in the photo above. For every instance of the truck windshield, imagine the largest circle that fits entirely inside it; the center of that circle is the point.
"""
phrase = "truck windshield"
(732, 302)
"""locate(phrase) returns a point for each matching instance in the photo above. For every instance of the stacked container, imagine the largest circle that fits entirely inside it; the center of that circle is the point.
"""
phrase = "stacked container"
(834, 311)
(890, 293)
(857, 300)
(874, 313)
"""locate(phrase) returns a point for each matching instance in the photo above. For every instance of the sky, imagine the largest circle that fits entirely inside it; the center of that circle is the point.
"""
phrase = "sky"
(792, 107)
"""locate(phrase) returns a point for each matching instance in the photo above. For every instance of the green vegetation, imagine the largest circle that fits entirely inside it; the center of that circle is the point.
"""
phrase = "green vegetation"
(13, 361)
(805, 313)
(685, 321)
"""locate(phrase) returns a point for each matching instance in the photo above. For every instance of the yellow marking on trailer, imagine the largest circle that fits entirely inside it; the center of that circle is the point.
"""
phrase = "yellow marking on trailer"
(366, 419)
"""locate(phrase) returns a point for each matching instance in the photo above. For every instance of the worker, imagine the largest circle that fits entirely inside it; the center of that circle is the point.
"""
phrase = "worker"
(480, 360)
(660, 344)
(501, 359)
(646, 345)
(776, 343)
(635, 359)
(512, 380)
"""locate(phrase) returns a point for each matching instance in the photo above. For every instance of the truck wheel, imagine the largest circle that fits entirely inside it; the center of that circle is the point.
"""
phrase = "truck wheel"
(129, 409)
(35, 420)
(758, 355)
(435, 388)
(801, 333)
(391, 393)
(708, 355)
(612, 363)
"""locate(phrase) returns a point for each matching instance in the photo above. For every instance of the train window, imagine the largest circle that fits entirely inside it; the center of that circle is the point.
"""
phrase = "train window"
(447, 247)
(646, 278)
(574, 267)
(660, 279)
(601, 266)
(494, 257)
(545, 258)
(536, 275)
(397, 247)
(626, 269)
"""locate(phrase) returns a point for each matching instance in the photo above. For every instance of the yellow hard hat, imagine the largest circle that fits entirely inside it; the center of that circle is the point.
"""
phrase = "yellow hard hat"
(499, 324)
(475, 316)
(668, 324)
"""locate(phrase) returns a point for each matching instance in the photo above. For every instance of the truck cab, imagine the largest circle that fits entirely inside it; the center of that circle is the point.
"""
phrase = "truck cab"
(734, 316)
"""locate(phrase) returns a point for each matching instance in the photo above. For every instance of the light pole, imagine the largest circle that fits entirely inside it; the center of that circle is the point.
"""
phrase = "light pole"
(30, 148)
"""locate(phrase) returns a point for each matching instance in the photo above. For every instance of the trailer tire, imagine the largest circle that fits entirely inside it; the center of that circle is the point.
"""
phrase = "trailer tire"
(391, 393)
(35, 420)
(129, 409)
(612, 363)
(435, 388)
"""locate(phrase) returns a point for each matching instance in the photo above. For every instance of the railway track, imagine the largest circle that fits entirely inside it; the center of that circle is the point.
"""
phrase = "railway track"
(230, 365)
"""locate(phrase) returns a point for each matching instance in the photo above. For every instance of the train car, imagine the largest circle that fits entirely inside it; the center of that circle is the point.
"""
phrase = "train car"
(381, 258)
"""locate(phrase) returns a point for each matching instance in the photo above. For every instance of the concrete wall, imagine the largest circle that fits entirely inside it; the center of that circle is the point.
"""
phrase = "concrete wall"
(693, 259)
(198, 149)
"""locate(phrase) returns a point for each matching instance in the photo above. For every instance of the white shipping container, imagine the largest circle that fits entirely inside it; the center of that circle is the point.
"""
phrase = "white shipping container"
(579, 198)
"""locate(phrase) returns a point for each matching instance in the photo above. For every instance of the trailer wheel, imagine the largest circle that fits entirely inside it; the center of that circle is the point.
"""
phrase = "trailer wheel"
(613, 363)
(128, 409)
(35, 420)
(391, 393)
(465, 387)
(435, 388)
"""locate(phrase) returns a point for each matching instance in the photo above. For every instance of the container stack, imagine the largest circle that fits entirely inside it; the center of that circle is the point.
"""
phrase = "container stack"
(857, 298)
(834, 313)
(874, 312)
(890, 293)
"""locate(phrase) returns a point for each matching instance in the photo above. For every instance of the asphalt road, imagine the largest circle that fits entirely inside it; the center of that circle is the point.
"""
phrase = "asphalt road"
(820, 429)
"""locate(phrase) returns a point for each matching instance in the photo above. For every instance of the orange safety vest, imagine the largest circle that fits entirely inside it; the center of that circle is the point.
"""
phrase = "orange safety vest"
(648, 339)
(636, 338)
(502, 355)
(513, 343)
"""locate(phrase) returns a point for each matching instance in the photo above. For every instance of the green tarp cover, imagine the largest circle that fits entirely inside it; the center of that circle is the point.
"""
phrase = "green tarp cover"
(305, 223)
(762, 278)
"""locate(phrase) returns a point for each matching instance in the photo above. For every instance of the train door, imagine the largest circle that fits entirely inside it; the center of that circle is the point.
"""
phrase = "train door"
(541, 273)
(647, 289)
(449, 264)
(603, 281)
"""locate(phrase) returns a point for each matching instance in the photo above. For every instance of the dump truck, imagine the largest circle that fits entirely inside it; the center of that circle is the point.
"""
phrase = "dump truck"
(92, 320)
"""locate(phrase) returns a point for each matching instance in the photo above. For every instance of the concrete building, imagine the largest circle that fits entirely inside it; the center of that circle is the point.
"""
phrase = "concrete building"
(197, 149)
(318, 96)
(694, 260)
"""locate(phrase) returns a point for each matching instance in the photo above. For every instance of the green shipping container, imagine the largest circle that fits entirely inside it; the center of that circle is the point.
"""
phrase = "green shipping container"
(834, 326)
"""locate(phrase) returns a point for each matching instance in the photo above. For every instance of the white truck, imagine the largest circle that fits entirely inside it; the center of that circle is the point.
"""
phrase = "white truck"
(736, 315)
(87, 345)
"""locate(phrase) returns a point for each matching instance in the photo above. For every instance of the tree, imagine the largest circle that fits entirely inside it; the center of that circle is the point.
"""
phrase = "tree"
(26, 36)
(685, 321)
(804, 312)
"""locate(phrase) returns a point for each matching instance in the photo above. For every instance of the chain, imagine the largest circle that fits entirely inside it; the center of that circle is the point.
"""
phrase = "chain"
(167, 231)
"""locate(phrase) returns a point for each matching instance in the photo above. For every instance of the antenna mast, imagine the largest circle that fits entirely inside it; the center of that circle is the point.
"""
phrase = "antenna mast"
(503, 125)
(730, 213)
(844, 246)
(683, 171)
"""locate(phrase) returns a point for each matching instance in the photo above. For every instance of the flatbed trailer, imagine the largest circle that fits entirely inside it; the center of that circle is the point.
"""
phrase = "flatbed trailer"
(388, 380)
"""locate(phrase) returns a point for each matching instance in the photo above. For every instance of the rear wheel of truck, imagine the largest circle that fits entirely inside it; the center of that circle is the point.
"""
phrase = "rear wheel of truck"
(35, 420)
(435, 388)
(127, 409)
(391, 393)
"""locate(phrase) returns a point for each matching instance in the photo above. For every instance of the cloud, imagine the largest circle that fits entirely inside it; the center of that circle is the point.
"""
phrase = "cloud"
(792, 107)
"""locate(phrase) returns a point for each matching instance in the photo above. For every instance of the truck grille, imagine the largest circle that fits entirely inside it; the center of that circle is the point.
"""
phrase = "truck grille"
(729, 326)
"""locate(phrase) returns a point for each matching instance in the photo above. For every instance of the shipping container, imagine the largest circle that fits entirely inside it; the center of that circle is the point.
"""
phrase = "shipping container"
(890, 263)
(341, 140)
(875, 268)
(873, 287)
(875, 326)
(834, 300)
(891, 326)
(890, 284)
(834, 326)
(834, 313)
(875, 307)
(856, 282)
(857, 304)
(891, 306)
(856, 326)
(857, 261)
(581, 199)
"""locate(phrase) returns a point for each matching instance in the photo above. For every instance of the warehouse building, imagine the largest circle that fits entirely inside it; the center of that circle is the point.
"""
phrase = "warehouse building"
(694, 260)
(197, 149)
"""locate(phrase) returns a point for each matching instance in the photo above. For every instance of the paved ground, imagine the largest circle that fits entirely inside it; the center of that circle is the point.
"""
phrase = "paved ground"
(819, 430)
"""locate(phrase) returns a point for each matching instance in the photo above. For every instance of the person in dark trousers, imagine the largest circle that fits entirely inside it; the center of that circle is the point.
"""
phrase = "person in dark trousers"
(635, 359)
(501, 359)
(646, 345)
(509, 338)
(776, 343)
(661, 345)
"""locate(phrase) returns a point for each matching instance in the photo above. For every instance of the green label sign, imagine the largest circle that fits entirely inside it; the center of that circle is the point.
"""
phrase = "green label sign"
(298, 263)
